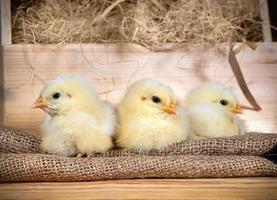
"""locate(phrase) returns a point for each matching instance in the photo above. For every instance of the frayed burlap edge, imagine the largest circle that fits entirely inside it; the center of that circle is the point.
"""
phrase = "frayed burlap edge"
(41, 167)
(17, 141)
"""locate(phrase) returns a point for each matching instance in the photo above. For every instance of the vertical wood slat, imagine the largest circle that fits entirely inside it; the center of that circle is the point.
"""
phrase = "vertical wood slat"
(5, 8)
(5, 39)
(264, 13)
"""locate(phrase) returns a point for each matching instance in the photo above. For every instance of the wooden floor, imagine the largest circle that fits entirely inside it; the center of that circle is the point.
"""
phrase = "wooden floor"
(229, 188)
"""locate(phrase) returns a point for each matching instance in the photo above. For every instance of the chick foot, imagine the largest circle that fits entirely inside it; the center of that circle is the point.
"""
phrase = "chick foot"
(80, 155)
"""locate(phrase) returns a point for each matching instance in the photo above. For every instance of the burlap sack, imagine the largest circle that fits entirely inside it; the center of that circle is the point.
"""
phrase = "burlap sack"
(188, 159)
(17, 141)
(14, 140)
(41, 167)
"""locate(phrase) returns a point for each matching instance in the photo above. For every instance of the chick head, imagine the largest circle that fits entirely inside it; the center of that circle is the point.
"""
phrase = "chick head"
(149, 97)
(216, 94)
(65, 94)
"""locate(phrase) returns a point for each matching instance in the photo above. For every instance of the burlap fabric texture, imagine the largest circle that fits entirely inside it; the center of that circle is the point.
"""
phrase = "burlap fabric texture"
(17, 141)
(22, 160)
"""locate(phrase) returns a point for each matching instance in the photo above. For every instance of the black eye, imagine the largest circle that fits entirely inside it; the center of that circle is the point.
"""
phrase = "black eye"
(223, 102)
(156, 99)
(56, 95)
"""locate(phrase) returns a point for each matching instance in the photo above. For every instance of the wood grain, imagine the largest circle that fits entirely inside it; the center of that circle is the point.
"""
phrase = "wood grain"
(264, 13)
(5, 38)
(5, 18)
(112, 67)
(231, 188)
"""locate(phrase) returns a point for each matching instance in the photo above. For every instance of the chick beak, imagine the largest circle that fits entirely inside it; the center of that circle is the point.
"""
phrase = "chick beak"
(236, 109)
(170, 109)
(39, 103)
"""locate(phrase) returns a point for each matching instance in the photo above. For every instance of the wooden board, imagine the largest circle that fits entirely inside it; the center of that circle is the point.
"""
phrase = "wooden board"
(5, 22)
(213, 189)
(264, 13)
(5, 38)
(112, 67)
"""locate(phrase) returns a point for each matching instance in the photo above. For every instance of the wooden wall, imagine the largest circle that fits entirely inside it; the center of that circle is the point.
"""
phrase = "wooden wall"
(112, 67)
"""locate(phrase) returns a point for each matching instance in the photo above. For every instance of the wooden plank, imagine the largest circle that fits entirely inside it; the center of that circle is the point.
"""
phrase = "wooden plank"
(264, 13)
(231, 188)
(5, 38)
(1, 85)
(5, 28)
(112, 67)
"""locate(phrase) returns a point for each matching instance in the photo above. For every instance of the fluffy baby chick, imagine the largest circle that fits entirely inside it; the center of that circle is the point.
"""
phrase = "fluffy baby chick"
(212, 110)
(78, 122)
(148, 118)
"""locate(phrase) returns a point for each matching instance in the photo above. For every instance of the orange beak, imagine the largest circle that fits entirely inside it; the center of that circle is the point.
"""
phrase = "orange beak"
(170, 109)
(236, 109)
(39, 103)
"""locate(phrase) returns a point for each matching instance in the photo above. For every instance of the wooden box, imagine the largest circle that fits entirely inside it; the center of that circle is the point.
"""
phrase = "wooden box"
(112, 67)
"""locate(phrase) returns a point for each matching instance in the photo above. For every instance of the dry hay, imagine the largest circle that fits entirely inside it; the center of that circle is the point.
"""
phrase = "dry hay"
(149, 23)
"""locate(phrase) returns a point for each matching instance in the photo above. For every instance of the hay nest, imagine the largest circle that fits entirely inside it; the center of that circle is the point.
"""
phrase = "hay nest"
(149, 23)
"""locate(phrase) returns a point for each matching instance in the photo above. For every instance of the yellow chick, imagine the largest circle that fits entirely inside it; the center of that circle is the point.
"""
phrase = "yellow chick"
(148, 118)
(212, 110)
(79, 123)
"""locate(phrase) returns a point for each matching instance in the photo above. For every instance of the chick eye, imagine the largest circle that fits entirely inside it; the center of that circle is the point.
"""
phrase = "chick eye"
(56, 95)
(156, 99)
(223, 102)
